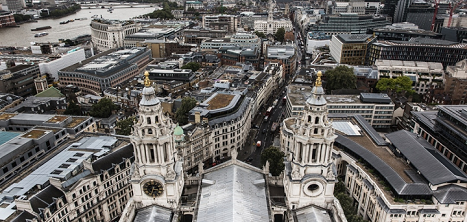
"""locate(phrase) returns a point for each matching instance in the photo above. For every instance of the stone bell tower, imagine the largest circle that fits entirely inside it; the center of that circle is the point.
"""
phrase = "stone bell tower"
(307, 142)
(157, 177)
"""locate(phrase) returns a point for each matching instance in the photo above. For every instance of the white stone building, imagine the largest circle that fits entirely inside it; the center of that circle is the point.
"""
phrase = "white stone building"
(424, 74)
(271, 26)
(108, 34)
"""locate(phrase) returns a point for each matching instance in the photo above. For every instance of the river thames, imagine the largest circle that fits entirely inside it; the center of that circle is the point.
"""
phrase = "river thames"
(23, 36)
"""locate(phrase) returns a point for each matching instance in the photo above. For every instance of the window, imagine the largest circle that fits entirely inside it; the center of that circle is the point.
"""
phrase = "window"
(5, 169)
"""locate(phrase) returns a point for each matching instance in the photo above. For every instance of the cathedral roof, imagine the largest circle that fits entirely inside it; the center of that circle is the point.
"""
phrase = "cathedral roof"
(233, 193)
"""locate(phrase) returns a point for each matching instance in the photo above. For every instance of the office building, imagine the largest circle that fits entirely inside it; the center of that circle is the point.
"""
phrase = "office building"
(350, 49)
(106, 69)
(404, 32)
(19, 80)
(348, 23)
(221, 22)
(283, 54)
(419, 49)
(109, 34)
(6, 19)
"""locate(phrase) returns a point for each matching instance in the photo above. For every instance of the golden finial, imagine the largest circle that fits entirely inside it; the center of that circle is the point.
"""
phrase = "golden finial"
(147, 82)
(318, 80)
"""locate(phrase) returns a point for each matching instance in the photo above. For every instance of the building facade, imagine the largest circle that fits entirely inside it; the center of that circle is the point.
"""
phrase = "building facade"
(6, 19)
(108, 34)
(419, 49)
(423, 74)
(19, 80)
(455, 83)
(221, 22)
(348, 23)
(350, 49)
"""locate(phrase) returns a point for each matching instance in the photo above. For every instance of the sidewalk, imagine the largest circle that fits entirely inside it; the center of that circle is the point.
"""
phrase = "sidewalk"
(249, 146)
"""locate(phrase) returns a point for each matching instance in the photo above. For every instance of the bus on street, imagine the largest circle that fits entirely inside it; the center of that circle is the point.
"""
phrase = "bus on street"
(269, 111)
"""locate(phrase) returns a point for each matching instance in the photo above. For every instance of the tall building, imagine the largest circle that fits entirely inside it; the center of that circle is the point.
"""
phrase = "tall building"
(158, 176)
(307, 142)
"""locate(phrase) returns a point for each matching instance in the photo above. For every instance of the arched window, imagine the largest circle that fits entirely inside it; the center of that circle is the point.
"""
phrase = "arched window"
(148, 120)
(157, 119)
(316, 120)
(316, 130)
(149, 131)
(309, 118)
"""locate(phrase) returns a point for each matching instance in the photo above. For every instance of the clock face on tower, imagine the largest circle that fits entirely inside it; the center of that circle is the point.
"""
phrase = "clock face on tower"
(153, 188)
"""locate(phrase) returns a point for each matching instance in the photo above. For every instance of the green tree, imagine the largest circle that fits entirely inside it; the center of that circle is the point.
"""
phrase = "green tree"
(103, 109)
(73, 109)
(260, 34)
(280, 34)
(275, 158)
(124, 126)
(341, 77)
(192, 65)
(188, 103)
(399, 85)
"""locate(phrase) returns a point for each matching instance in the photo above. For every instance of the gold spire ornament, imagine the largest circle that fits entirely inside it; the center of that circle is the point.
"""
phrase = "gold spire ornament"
(318, 80)
(147, 82)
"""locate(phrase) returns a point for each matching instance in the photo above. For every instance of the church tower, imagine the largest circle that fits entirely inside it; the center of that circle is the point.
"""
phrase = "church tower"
(270, 24)
(307, 141)
(157, 177)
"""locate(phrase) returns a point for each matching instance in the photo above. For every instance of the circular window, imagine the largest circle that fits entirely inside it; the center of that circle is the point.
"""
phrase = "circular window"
(313, 188)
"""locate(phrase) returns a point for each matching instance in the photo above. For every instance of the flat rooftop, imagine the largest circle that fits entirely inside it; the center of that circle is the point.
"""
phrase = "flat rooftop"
(298, 94)
(7, 116)
(219, 101)
(34, 134)
(57, 119)
(76, 121)
(354, 38)
(7, 136)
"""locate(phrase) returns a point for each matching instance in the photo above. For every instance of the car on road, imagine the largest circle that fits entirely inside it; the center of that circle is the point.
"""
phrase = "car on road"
(266, 118)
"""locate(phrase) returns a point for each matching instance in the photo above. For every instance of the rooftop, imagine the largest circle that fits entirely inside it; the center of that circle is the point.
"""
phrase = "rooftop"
(76, 121)
(57, 119)
(381, 64)
(7, 116)
(220, 101)
(280, 52)
(354, 38)
(34, 134)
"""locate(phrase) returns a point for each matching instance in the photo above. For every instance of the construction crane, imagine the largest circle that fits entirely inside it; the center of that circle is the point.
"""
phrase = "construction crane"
(452, 9)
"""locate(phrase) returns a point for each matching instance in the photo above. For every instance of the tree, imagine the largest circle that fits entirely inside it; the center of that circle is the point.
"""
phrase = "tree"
(399, 85)
(341, 77)
(103, 109)
(385, 84)
(260, 34)
(280, 34)
(124, 126)
(188, 103)
(275, 158)
(192, 65)
(73, 109)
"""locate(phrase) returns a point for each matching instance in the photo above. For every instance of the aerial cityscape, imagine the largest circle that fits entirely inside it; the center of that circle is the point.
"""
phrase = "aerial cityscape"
(233, 110)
